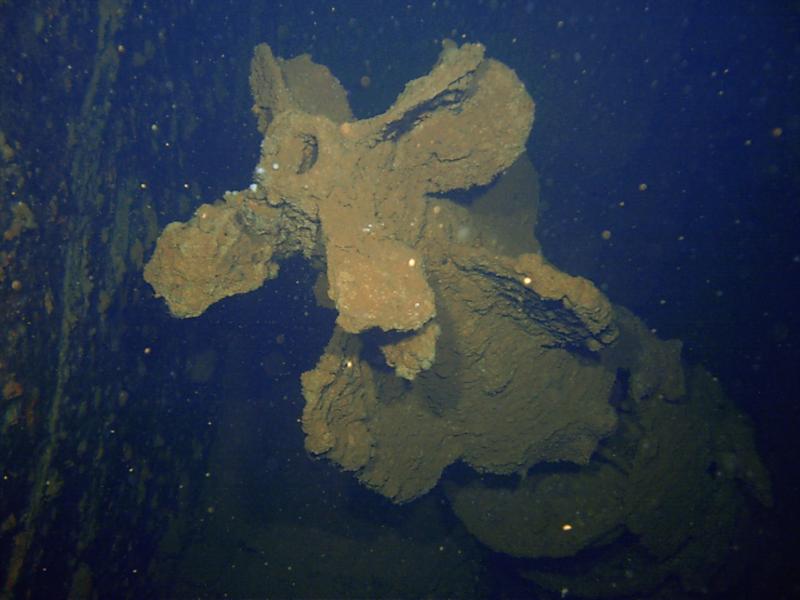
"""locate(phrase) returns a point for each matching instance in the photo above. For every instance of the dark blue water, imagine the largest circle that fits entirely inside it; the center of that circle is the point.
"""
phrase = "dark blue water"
(675, 126)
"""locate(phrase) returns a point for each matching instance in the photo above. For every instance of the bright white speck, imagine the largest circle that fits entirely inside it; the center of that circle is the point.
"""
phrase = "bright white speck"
(275, 166)
(253, 187)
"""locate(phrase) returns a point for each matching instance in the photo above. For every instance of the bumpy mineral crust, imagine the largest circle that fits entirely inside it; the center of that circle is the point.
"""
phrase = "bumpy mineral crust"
(479, 340)
(455, 339)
